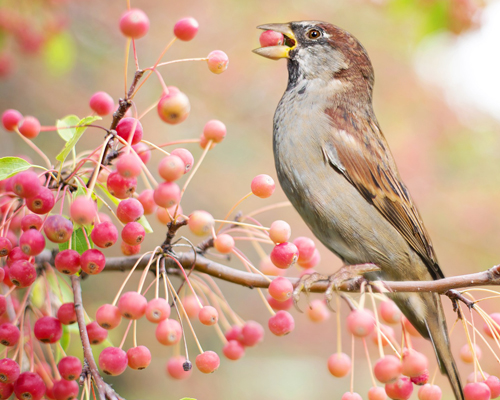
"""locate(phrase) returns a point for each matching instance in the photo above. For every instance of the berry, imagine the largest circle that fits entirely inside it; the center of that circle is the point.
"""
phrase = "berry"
(119, 186)
(70, 368)
(413, 363)
(9, 334)
(168, 332)
(201, 222)
(128, 165)
(3, 301)
(281, 289)
(143, 151)
(387, 369)
(66, 314)
(263, 186)
(29, 386)
(429, 392)
(390, 312)
(466, 353)
(138, 357)
(134, 23)
(104, 234)
(214, 130)
(387, 331)
(22, 273)
(313, 262)
(129, 210)
(233, 350)
(207, 362)
(317, 311)
(306, 248)
(48, 329)
(409, 327)
(42, 202)
(32, 242)
(477, 391)
(186, 156)
(377, 393)
(351, 396)
(157, 310)
(284, 254)
(282, 323)
(173, 107)
(9, 371)
(96, 334)
(495, 323)
(129, 250)
(58, 229)
(217, 61)
(83, 210)
(339, 364)
(10, 119)
(280, 232)
(233, 333)
(65, 390)
(147, 200)
(401, 389)
(167, 194)
(171, 168)
(271, 38)
(108, 316)
(26, 184)
(67, 262)
(360, 322)
(224, 243)
(29, 127)
(5, 246)
(132, 305)
(251, 334)
(280, 305)
(208, 315)
(113, 361)
(102, 103)
(175, 368)
(191, 306)
(6, 390)
(494, 384)
(92, 261)
(267, 267)
(186, 28)
(421, 379)
(133, 233)
(130, 126)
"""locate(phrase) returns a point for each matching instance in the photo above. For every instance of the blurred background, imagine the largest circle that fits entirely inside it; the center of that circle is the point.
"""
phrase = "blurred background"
(436, 98)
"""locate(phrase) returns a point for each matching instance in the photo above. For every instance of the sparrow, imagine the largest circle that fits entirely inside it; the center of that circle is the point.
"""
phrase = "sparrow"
(335, 166)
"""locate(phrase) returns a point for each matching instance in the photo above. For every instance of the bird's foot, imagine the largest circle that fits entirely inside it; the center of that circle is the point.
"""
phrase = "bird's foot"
(455, 296)
(304, 284)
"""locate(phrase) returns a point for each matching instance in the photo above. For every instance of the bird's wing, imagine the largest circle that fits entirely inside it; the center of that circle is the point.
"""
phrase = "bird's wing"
(359, 151)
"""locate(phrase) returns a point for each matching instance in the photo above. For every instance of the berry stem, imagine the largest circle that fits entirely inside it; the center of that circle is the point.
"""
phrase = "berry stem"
(182, 60)
(125, 65)
(98, 168)
(339, 330)
(35, 148)
(369, 362)
(223, 221)
(186, 279)
(125, 334)
(377, 324)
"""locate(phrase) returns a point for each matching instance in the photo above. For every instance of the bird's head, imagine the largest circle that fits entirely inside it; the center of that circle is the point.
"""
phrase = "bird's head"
(319, 50)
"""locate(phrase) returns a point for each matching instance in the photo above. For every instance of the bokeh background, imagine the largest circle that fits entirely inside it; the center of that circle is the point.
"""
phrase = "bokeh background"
(436, 98)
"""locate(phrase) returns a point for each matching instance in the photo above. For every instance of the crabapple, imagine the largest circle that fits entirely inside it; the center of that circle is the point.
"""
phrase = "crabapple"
(421, 379)
(224, 243)
(201, 222)
(48, 329)
(390, 312)
(360, 322)
(279, 232)
(377, 393)
(409, 327)
(96, 334)
(129, 250)
(6, 390)
(401, 389)
(129, 210)
(284, 254)
(317, 311)
(214, 130)
(191, 306)
(233, 350)
(119, 186)
(42, 202)
(10, 119)
(138, 357)
(108, 316)
(26, 184)
(143, 151)
(83, 210)
(186, 156)
(267, 267)
(306, 248)
(70, 368)
(496, 323)
(9, 371)
(280, 305)
(251, 334)
(339, 364)
(280, 289)
(208, 315)
(351, 396)
(233, 333)
(102, 103)
(494, 384)
(171, 168)
(429, 392)
(388, 334)
(313, 262)
(168, 332)
(387, 369)
(271, 38)
(282, 323)
(66, 314)
(175, 367)
(467, 355)
(413, 363)
(217, 61)
(128, 165)
(29, 386)
(263, 186)
(67, 261)
(130, 126)
(186, 28)
(147, 200)
(134, 23)
(92, 261)
(173, 107)
(207, 362)
(6, 246)
(477, 391)
(132, 305)
(9, 334)
(65, 390)
(29, 127)
(57, 228)
(113, 361)
(32, 242)
(157, 310)
(22, 273)
(104, 234)
(167, 194)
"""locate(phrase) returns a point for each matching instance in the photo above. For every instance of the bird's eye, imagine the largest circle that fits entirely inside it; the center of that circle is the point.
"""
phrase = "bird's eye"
(314, 34)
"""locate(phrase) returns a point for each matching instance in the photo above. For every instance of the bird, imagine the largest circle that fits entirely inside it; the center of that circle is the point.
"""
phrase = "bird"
(335, 166)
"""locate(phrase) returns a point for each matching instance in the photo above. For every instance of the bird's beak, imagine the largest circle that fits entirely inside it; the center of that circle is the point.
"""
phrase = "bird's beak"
(277, 52)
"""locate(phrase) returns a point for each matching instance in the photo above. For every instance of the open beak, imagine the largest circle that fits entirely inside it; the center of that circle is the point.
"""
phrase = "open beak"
(277, 52)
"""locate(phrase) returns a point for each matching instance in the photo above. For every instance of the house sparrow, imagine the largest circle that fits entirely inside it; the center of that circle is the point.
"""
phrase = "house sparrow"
(335, 167)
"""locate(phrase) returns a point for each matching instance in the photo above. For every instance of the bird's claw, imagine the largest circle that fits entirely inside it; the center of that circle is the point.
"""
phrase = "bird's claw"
(304, 284)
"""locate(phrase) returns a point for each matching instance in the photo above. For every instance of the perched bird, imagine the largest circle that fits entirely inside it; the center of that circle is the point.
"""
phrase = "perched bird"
(335, 166)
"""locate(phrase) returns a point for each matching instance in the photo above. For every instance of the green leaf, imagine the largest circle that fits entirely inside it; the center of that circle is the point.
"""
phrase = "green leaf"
(63, 125)
(78, 241)
(10, 166)
(80, 129)
(144, 222)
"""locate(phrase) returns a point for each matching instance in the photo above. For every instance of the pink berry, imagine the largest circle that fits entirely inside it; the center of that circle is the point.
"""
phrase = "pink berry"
(413, 363)
(70, 368)
(186, 29)
(171, 168)
(128, 165)
(233, 333)
(401, 389)
(134, 23)
(271, 38)
(104, 234)
(360, 322)
(113, 361)
(306, 248)
(9, 371)
(167, 194)
(317, 311)
(29, 386)
(29, 127)
(224, 243)
(494, 384)
(83, 210)
(208, 315)
(3, 301)
(22, 273)
(186, 156)
(280, 305)
(207, 362)
(263, 186)
(92, 261)
(26, 184)
(6, 390)
(102, 103)
(65, 390)
(214, 130)
(143, 151)
(133, 233)
(48, 329)
(281, 289)
(67, 262)
(339, 364)
(175, 368)
(388, 335)
(32, 242)
(108, 316)
(66, 314)
(129, 210)
(351, 396)
(130, 126)
(201, 222)
(191, 306)
(9, 334)
(313, 262)
(280, 232)
(217, 61)
(267, 267)
(477, 377)
(477, 391)
(390, 312)
(132, 305)
(174, 107)
(129, 250)
(496, 325)
(57, 229)
(377, 393)
(147, 200)
(119, 186)
(467, 355)
(157, 310)
(387, 369)
(421, 379)
(282, 323)
(5, 246)
(168, 332)
(96, 334)
(429, 392)
(233, 350)
(409, 327)
(204, 142)
(16, 254)
(10, 119)
(284, 254)
(251, 334)
(42, 202)
(138, 357)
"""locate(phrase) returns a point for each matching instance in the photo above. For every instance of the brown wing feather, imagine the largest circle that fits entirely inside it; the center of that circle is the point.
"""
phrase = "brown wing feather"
(368, 165)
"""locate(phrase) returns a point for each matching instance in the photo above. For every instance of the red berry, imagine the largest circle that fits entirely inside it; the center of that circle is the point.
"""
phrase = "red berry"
(6, 390)
(157, 310)
(130, 126)
(167, 194)
(168, 332)
(128, 165)
(387, 369)
(217, 61)
(9, 371)
(10, 119)
(421, 379)
(401, 389)
(42, 202)
(3, 301)
(413, 363)
(133, 233)
(57, 229)
(360, 322)
(9, 334)
(339, 364)
(390, 312)
(208, 315)
(284, 254)
(32, 242)
(186, 156)
(252, 333)
(495, 323)
(186, 29)
(29, 127)
(113, 361)
(313, 262)
(263, 186)
(5, 246)
(143, 151)
(233, 350)
(477, 391)
(104, 234)
(147, 200)
(48, 329)
(96, 334)
(201, 222)
(102, 103)
(214, 130)
(29, 386)
(171, 168)
(233, 333)
(282, 323)
(26, 184)
(175, 368)
(67, 261)
(65, 390)
(429, 392)
(108, 316)
(66, 314)
(271, 38)
(207, 362)
(377, 393)
(387, 331)
(134, 23)
(129, 210)
(280, 305)
(224, 243)
(494, 384)
(306, 248)
(119, 186)
(83, 210)
(129, 250)
(138, 357)
(70, 368)
(409, 327)
(174, 107)
(132, 305)
(280, 289)
(92, 261)
(22, 273)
